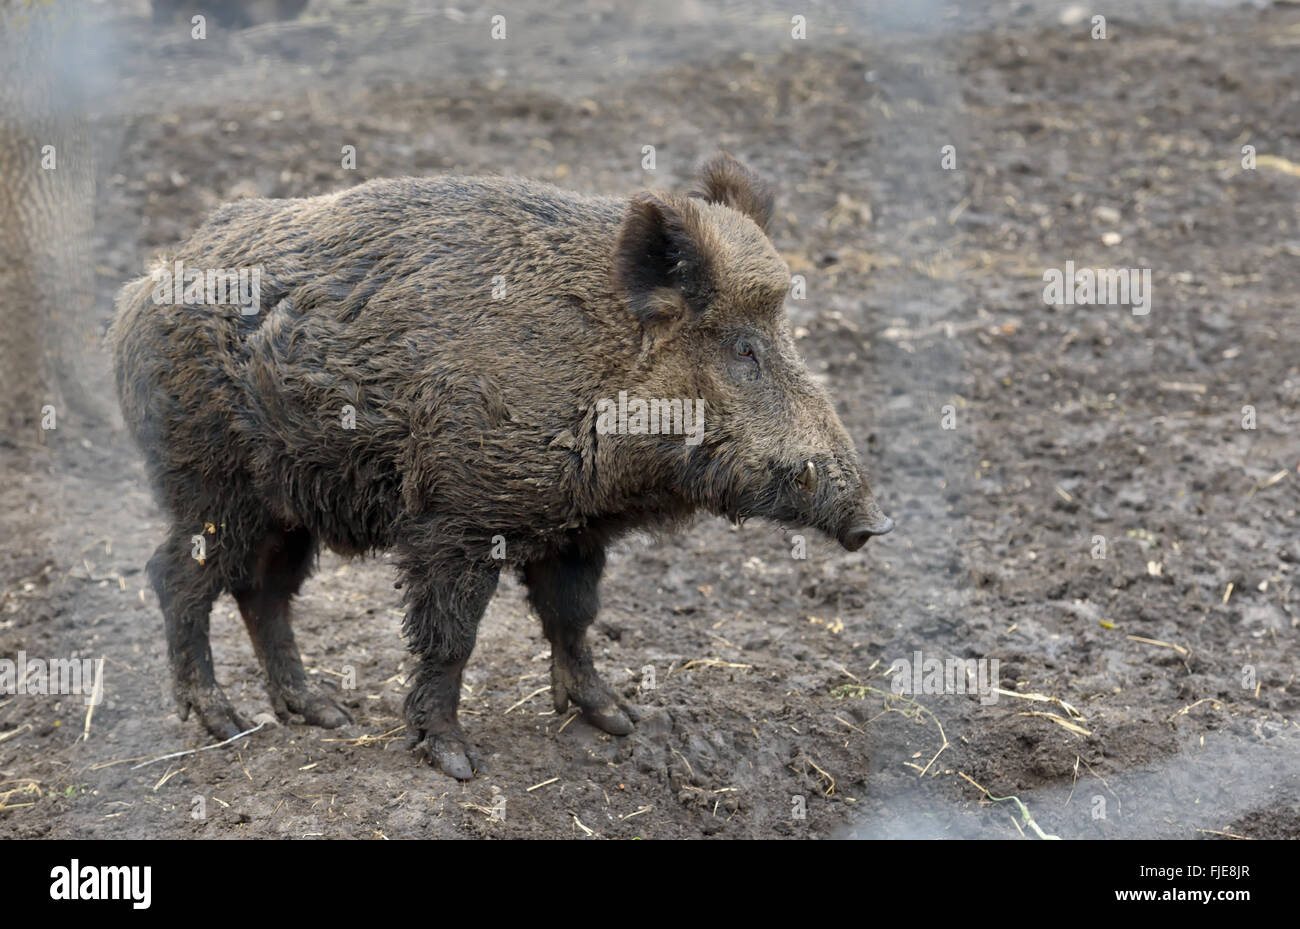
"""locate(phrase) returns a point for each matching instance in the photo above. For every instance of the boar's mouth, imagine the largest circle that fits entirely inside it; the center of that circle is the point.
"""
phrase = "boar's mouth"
(826, 494)
(845, 511)
(796, 496)
(779, 497)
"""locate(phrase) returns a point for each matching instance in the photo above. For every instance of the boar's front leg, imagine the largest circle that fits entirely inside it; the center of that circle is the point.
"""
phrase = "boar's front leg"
(563, 590)
(444, 603)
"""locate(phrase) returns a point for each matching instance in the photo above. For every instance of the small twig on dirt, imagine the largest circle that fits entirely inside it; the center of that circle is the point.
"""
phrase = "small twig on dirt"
(1024, 810)
(1145, 641)
(824, 773)
(1226, 834)
(1268, 482)
(1059, 720)
(96, 693)
(942, 748)
(539, 690)
(28, 787)
(367, 738)
(850, 725)
(1181, 387)
(13, 732)
(194, 751)
(689, 769)
(714, 663)
(1074, 783)
(529, 790)
(1192, 706)
(579, 824)
(108, 764)
(165, 778)
(1040, 698)
(487, 811)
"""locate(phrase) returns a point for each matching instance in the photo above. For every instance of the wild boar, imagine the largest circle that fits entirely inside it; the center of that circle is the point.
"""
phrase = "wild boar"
(442, 368)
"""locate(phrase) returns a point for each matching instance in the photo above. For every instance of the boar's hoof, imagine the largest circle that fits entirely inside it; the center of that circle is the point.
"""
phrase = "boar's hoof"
(213, 708)
(449, 754)
(596, 700)
(315, 708)
(616, 719)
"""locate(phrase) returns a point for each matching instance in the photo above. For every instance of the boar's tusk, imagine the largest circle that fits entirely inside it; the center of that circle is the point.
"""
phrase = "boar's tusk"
(808, 480)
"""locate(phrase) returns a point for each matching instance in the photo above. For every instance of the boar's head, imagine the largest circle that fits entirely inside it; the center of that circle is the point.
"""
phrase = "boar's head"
(702, 278)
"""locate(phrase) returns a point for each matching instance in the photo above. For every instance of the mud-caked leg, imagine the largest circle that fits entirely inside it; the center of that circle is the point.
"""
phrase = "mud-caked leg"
(186, 591)
(563, 589)
(444, 604)
(279, 566)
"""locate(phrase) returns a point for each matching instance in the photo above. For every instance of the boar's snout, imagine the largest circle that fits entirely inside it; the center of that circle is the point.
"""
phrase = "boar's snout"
(865, 519)
(840, 501)
(856, 535)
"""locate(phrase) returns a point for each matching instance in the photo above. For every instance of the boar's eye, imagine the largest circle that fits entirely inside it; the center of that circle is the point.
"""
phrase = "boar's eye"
(745, 349)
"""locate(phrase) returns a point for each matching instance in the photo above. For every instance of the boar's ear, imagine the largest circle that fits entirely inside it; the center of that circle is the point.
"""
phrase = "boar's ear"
(731, 182)
(662, 260)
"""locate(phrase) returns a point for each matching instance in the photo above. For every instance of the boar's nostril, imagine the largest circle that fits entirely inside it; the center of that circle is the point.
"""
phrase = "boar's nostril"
(857, 536)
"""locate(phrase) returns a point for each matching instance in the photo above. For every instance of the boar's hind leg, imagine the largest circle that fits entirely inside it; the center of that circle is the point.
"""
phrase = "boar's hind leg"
(563, 591)
(186, 590)
(444, 604)
(278, 569)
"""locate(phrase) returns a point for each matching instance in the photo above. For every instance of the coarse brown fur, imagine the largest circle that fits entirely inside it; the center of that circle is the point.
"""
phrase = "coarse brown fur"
(471, 326)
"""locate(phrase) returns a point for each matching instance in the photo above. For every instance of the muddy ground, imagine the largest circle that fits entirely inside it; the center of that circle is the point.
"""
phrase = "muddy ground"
(1151, 692)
